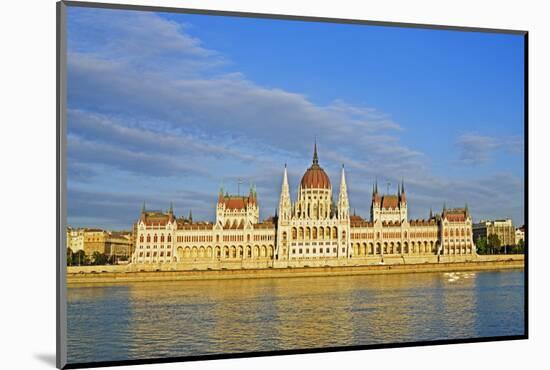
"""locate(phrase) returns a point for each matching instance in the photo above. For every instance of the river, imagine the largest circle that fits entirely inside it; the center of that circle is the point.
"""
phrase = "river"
(173, 319)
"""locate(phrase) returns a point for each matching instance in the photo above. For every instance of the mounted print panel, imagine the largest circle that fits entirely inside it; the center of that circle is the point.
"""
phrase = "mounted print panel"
(238, 185)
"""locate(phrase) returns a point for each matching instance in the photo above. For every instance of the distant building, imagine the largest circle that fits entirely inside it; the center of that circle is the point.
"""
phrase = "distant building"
(111, 243)
(75, 239)
(118, 244)
(504, 229)
(520, 234)
(314, 229)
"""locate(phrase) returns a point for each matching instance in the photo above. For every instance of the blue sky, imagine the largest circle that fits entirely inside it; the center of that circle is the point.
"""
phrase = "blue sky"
(167, 107)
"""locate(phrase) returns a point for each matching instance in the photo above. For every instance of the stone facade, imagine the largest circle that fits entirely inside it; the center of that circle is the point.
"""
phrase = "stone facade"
(311, 231)
(504, 229)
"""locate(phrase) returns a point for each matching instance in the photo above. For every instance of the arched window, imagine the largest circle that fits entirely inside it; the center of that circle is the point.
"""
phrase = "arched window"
(314, 236)
(294, 233)
(169, 238)
(162, 238)
(155, 238)
(141, 238)
(148, 238)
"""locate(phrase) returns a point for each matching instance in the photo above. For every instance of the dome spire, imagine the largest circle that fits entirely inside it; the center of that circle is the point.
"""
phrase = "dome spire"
(315, 157)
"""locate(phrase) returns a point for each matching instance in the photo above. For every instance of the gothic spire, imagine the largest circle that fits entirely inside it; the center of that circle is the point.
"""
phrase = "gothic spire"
(315, 157)
(171, 210)
(402, 185)
(190, 215)
(143, 207)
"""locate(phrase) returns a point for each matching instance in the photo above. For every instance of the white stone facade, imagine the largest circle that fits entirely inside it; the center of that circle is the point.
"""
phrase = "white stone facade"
(312, 230)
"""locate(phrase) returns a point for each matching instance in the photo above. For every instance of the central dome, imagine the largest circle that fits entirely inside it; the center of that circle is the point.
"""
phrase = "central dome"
(315, 177)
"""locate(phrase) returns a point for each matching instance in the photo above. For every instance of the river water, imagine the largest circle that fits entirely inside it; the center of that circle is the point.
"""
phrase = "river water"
(172, 319)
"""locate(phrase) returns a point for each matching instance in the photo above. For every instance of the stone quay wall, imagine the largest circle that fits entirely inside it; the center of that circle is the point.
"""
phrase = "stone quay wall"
(267, 269)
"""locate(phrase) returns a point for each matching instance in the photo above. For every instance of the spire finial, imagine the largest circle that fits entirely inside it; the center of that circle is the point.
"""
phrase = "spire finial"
(171, 210)
(315, 157)
(431, 213)
(402, 185)
(190, 215)
(143, 207)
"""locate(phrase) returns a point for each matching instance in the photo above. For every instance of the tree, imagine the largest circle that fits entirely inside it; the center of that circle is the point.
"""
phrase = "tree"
(99, 258)
(69, 257)
(481, 245)
(79, 258)
(493, 242)
(520, 248)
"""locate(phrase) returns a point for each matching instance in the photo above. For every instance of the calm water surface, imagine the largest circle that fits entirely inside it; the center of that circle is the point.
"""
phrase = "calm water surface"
(143, 320)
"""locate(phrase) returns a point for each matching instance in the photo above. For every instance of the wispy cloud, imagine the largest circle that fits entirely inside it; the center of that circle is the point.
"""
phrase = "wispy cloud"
(155, 115)
(478, 149)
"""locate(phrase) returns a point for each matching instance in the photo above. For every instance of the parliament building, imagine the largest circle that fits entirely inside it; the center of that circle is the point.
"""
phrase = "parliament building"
(314, 230)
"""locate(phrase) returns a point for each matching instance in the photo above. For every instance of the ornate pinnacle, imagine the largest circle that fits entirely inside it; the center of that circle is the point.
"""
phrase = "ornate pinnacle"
(315, 157)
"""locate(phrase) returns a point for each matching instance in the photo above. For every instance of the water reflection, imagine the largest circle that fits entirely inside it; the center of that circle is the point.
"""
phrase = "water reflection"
(200, 317)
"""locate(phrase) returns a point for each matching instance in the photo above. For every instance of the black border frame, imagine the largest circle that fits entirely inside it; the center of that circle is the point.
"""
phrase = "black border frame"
(61, 99)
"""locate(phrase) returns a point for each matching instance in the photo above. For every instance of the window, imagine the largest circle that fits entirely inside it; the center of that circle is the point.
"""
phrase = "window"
(333, 250)
(314, 250)
(148, 238)
(141, 238)
(162, 238)
(328, 250)
(307, 250)
(168, 254)
(169, 238)
(148, 254)
(141, 254)
(294, 251)
(300, 250)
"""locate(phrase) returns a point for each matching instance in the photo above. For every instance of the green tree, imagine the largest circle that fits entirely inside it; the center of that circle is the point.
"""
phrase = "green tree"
(99, 258)
(79, 258)
(493, 242)
(69, 257)
(520, 248)
(481, 245)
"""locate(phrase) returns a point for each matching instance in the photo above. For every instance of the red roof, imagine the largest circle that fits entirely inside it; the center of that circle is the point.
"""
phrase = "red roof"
(390, 201)
(315, 178)
(237, 202)
(455, 215)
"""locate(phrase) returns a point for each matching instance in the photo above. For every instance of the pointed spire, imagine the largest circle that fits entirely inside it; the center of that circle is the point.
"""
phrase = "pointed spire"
(402, 185)
(143, 207)
(190, 215)
(315, 157)
(376, 185)
(171, 210)
(444, 206)
(431, 213)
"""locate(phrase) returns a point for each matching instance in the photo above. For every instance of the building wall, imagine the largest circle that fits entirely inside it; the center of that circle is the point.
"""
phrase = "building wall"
(504, 229)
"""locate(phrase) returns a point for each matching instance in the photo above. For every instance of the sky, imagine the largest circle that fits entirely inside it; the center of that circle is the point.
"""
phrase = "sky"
(167, 107)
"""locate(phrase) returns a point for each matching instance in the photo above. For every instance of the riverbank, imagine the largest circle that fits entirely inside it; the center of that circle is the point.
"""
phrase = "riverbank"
(124, 274)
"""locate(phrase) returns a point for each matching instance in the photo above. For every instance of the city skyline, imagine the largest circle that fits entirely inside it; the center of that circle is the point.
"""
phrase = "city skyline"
(166, 107)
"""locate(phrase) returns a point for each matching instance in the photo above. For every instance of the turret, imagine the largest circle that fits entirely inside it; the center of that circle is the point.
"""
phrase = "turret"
(343, 202)
(284, 200)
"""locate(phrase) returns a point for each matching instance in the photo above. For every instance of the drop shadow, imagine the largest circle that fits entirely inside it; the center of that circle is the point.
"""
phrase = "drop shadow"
(47, 358)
